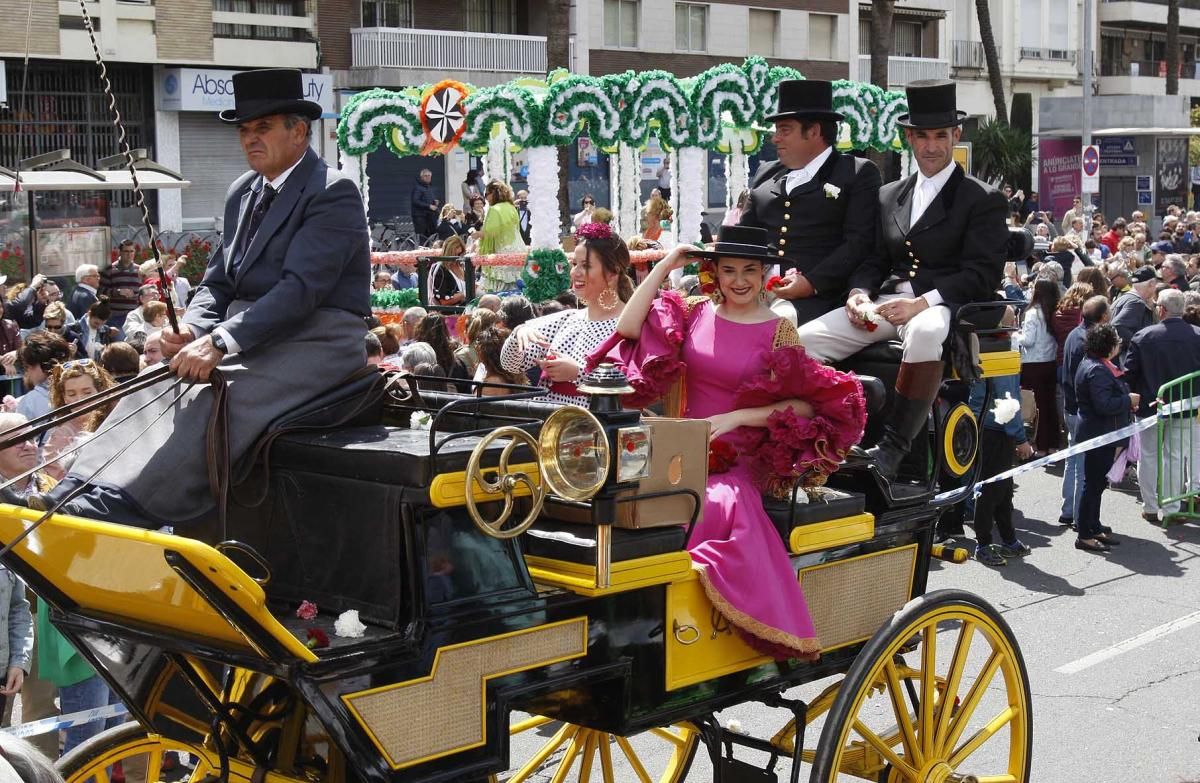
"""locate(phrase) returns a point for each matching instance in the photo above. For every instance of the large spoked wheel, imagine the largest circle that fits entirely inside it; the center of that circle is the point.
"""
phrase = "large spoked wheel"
(142, 757)
(960, 714)
(564, 752)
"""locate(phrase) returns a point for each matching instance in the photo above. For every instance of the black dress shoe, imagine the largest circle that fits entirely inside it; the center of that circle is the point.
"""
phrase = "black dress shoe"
(1108, 538)
(1095, 546)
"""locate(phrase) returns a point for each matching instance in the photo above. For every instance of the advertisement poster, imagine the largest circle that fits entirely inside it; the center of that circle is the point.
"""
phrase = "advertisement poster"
(1058, 174)
(61, 250)
(1171, 173)
(652, 159)
(589, 153)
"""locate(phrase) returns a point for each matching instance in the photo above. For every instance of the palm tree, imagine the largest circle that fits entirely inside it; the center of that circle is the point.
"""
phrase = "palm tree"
(558, 53)
(988, 38)
(881, 50)
(1172, 47)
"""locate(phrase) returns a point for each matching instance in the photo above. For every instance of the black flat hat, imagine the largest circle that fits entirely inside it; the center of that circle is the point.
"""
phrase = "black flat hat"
(931, 104)
(269, 91)
(740, 242)
(804, 99)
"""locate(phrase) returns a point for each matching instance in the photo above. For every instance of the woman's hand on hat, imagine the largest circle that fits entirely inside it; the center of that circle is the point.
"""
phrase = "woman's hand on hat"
(678, 258)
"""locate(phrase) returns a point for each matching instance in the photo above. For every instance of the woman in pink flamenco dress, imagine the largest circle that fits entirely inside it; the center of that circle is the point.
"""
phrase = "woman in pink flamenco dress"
(777, 416)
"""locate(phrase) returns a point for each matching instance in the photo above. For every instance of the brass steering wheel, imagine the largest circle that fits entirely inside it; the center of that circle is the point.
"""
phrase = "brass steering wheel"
(505, 483)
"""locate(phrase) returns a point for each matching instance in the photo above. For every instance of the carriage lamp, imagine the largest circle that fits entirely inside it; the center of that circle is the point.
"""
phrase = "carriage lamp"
(631, 442)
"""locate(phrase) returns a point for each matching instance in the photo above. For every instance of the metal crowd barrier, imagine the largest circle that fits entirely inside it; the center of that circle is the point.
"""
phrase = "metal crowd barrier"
(1178, 452)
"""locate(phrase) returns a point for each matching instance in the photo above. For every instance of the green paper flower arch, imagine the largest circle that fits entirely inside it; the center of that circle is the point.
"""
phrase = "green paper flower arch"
(656, 102)
(377, 117)
(578, 102)
(724, 88)
(513, 106)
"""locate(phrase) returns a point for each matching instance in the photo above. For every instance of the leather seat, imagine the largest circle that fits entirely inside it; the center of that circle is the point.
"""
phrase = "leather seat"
(835, 505)
(387, 455)
(575, 543)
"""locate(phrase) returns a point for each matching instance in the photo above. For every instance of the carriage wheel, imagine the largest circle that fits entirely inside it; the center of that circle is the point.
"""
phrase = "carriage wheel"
(965, 716)
(856, 758)
(141, 754)
(573, 753)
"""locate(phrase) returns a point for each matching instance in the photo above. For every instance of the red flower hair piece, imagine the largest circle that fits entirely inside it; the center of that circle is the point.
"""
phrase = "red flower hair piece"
(594, 231)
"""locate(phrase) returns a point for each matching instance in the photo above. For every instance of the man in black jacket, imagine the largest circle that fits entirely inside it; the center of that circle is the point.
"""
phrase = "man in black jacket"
(424, 205)
(1156, 355)
(818, 205)
(1133, 310)
(941, 242)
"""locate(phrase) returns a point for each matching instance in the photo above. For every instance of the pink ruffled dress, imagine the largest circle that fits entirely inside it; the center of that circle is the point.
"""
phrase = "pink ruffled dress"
(741, 559)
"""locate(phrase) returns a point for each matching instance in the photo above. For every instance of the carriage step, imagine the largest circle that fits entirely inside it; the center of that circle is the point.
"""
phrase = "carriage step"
(736, 771)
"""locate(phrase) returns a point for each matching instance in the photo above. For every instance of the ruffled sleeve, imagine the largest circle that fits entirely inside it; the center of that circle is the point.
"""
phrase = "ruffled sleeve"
(797, 447)
(652, 362)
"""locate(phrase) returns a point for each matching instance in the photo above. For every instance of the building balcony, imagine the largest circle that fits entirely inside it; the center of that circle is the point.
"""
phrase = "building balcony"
(1147, 13)
(967, 54)
(394, 56)
(904, 70)
(1048, 55)
(1156, 69)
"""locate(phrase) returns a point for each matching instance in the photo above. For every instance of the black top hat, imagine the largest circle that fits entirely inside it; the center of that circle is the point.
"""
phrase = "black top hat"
(740, 242)
(931, 104)
(804, 99)
(269, 91)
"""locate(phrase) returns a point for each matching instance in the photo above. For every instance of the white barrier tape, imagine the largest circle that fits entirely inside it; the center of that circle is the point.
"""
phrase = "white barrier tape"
(47, 725)
(1079, 448)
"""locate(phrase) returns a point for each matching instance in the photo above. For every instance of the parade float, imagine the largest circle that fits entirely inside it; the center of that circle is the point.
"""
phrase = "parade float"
(721, 110)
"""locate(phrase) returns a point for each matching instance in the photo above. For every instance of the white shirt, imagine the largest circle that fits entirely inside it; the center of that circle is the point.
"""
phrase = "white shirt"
(277, 185)
(926, 190)
(798, 177)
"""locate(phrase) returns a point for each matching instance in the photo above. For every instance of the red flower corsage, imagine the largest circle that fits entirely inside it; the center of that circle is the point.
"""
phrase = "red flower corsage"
(721, 456)
(316, 639)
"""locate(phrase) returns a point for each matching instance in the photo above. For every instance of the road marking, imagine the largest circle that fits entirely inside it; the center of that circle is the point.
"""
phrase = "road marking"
(1088, 661)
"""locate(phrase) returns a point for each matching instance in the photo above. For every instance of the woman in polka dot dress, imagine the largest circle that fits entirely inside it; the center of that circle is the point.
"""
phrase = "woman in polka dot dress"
(560, 343)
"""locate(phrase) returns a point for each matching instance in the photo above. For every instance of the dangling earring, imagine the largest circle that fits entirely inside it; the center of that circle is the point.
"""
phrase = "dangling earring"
(762, 295)
(608, 299)
(717, 297)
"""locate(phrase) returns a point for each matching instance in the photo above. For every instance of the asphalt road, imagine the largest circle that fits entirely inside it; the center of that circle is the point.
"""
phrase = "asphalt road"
(1111, 642)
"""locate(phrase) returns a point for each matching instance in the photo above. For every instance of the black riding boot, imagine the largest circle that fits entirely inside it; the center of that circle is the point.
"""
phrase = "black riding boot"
(916, 389)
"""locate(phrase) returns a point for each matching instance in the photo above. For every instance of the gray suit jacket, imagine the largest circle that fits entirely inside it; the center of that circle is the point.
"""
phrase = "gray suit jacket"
(311, 252)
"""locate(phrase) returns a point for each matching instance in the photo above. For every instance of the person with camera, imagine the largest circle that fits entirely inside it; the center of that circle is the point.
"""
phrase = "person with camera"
(91, 333)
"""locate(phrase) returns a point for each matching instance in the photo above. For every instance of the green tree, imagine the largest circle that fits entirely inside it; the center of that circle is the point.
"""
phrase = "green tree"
(988, 38)
(881, 50)
(1172, 47)
(1001, 153)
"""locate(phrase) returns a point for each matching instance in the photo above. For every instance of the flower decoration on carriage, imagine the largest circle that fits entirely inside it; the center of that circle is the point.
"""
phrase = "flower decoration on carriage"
(443, 116)
(348, 625)
(307, 610)
(545, 275)
(316, 639)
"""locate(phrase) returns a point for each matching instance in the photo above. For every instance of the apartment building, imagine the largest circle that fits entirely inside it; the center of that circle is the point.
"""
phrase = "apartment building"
(170, 62)
(1132, 53)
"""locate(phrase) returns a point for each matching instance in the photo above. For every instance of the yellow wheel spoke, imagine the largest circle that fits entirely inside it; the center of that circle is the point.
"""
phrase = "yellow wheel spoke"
(606, 767)
(568, 760)
(634, 761)
(589, 753)
(996, 779)
(154, 762)
(957, 664)
(565, 733)
(896, 694)
(928, 688)
(983, 735)
(671, 737)
(959, 724)
(532, 722)
(884, 749)
(101, 775)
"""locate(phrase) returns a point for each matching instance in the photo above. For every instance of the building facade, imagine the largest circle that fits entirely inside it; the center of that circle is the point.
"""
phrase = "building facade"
(170, 62)
(407, 43)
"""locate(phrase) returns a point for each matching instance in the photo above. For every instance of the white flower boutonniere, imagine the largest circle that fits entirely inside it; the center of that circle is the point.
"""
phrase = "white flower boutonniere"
(832, 191)
(420, 420)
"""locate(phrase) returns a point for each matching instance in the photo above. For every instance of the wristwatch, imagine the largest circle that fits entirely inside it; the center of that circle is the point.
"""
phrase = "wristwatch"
(219, 343)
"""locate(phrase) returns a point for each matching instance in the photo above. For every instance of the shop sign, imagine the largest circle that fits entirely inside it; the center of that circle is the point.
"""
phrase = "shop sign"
(209, 89)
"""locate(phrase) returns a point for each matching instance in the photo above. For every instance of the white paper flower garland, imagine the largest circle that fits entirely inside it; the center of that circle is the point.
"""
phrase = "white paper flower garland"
(631, 190)
(693, 167)
(543, 196)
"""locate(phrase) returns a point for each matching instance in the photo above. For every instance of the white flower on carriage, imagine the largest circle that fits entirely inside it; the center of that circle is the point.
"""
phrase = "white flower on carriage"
(832, 191)
(348, 626)
(1004, 410)
(420, 420)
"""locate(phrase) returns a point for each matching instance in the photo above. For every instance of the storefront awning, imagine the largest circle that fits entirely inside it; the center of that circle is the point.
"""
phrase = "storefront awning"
(1076, 132)
(74, 180)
